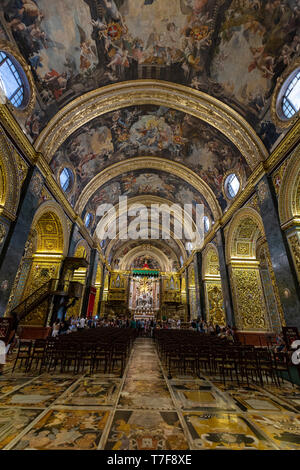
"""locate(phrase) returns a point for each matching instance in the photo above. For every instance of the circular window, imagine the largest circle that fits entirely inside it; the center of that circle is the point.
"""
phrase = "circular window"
(66, 179)
(290, 103)
(13, 81)
(232, 185)
(206, 223)
(88, 219)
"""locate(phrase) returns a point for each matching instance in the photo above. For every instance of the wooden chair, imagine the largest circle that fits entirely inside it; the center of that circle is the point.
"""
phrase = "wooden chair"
(23, 354)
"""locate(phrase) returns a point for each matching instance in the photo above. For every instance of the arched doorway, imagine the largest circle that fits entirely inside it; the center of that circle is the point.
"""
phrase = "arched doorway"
(43, 255)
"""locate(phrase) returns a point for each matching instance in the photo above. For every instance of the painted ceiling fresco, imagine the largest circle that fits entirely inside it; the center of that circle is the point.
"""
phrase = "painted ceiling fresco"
(140, 261)
(146, 183)
(149, 130)
(231, 49)
(169, 247)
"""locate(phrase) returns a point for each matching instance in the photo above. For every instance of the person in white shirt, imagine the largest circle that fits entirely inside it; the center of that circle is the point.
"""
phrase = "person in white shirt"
(82, 322)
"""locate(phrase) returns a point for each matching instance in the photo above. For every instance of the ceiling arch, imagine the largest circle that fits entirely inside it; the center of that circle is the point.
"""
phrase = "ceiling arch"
(167, 238)
(140, 92)
(168, 247)
(116, 211)
(54, 211)
(142, 250)
(245, 228)
(147, 163)
(233, 50)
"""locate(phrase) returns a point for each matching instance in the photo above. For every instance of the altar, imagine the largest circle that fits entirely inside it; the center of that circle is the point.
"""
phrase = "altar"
(144, 293)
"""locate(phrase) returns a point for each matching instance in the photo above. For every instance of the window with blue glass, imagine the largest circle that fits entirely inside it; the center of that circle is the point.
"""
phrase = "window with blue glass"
(291, 98)
(11, 81)
(88, 219)
(232, 185)
(206, 223)
(66, 179)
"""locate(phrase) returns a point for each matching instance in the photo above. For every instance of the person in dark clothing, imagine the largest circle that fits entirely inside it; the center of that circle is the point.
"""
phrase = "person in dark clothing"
(64, 327)
(63, 307)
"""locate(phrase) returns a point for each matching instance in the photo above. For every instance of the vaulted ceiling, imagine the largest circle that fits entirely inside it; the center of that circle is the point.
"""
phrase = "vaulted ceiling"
(229, 50)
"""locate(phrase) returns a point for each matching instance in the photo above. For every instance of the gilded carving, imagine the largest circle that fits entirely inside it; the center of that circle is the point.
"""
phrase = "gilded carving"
(265, 261)
(245, 227)
(249, 299)
(295, 249)
(120, 95)
(278, 176)
(149, 162)
(215, 314)
(9, 178)
(262, 191)
(253, 202)
(243, 248)
(36, 185)
(2, 233)
(289, 192)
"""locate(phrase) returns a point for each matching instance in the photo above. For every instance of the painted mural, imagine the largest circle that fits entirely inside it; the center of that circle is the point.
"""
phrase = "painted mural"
(78, 45)
(149, 130)
(144, 261)
(169, 247)
(142, 183)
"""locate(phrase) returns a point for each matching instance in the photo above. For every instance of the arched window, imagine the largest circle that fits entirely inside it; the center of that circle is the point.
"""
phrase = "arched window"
(206, 223)
(12, 80)
(88, 219)
(189, 247)
(291, 97)
(232, 185)
(66, 179)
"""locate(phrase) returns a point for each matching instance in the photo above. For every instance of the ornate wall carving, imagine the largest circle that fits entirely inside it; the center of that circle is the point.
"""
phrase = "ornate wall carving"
(242, 234)
(289, 192)
(249, 299)
(294, 243)
(215, 313)
(11, 177)
(273, 304)
(192, 292)
(120, 95)
(214, 307)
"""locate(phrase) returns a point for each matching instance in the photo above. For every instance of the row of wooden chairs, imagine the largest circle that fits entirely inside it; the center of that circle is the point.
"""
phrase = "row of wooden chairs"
(105, 349)
(189, 351)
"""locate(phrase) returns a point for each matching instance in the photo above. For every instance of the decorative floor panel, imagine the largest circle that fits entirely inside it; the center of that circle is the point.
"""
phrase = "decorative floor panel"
(144, 410)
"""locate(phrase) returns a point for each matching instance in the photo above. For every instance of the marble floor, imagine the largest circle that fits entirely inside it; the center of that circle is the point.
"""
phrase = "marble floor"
(144, 410)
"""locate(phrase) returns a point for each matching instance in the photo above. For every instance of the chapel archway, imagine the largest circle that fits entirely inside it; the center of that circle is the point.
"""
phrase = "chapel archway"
(289, 207)
(41, 262)
(245, 230)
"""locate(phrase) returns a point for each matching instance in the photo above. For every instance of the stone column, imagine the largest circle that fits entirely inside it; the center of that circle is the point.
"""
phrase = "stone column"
(228, 305)
(17, 235)
(199, 285)
(74, 237)
(283, 267)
